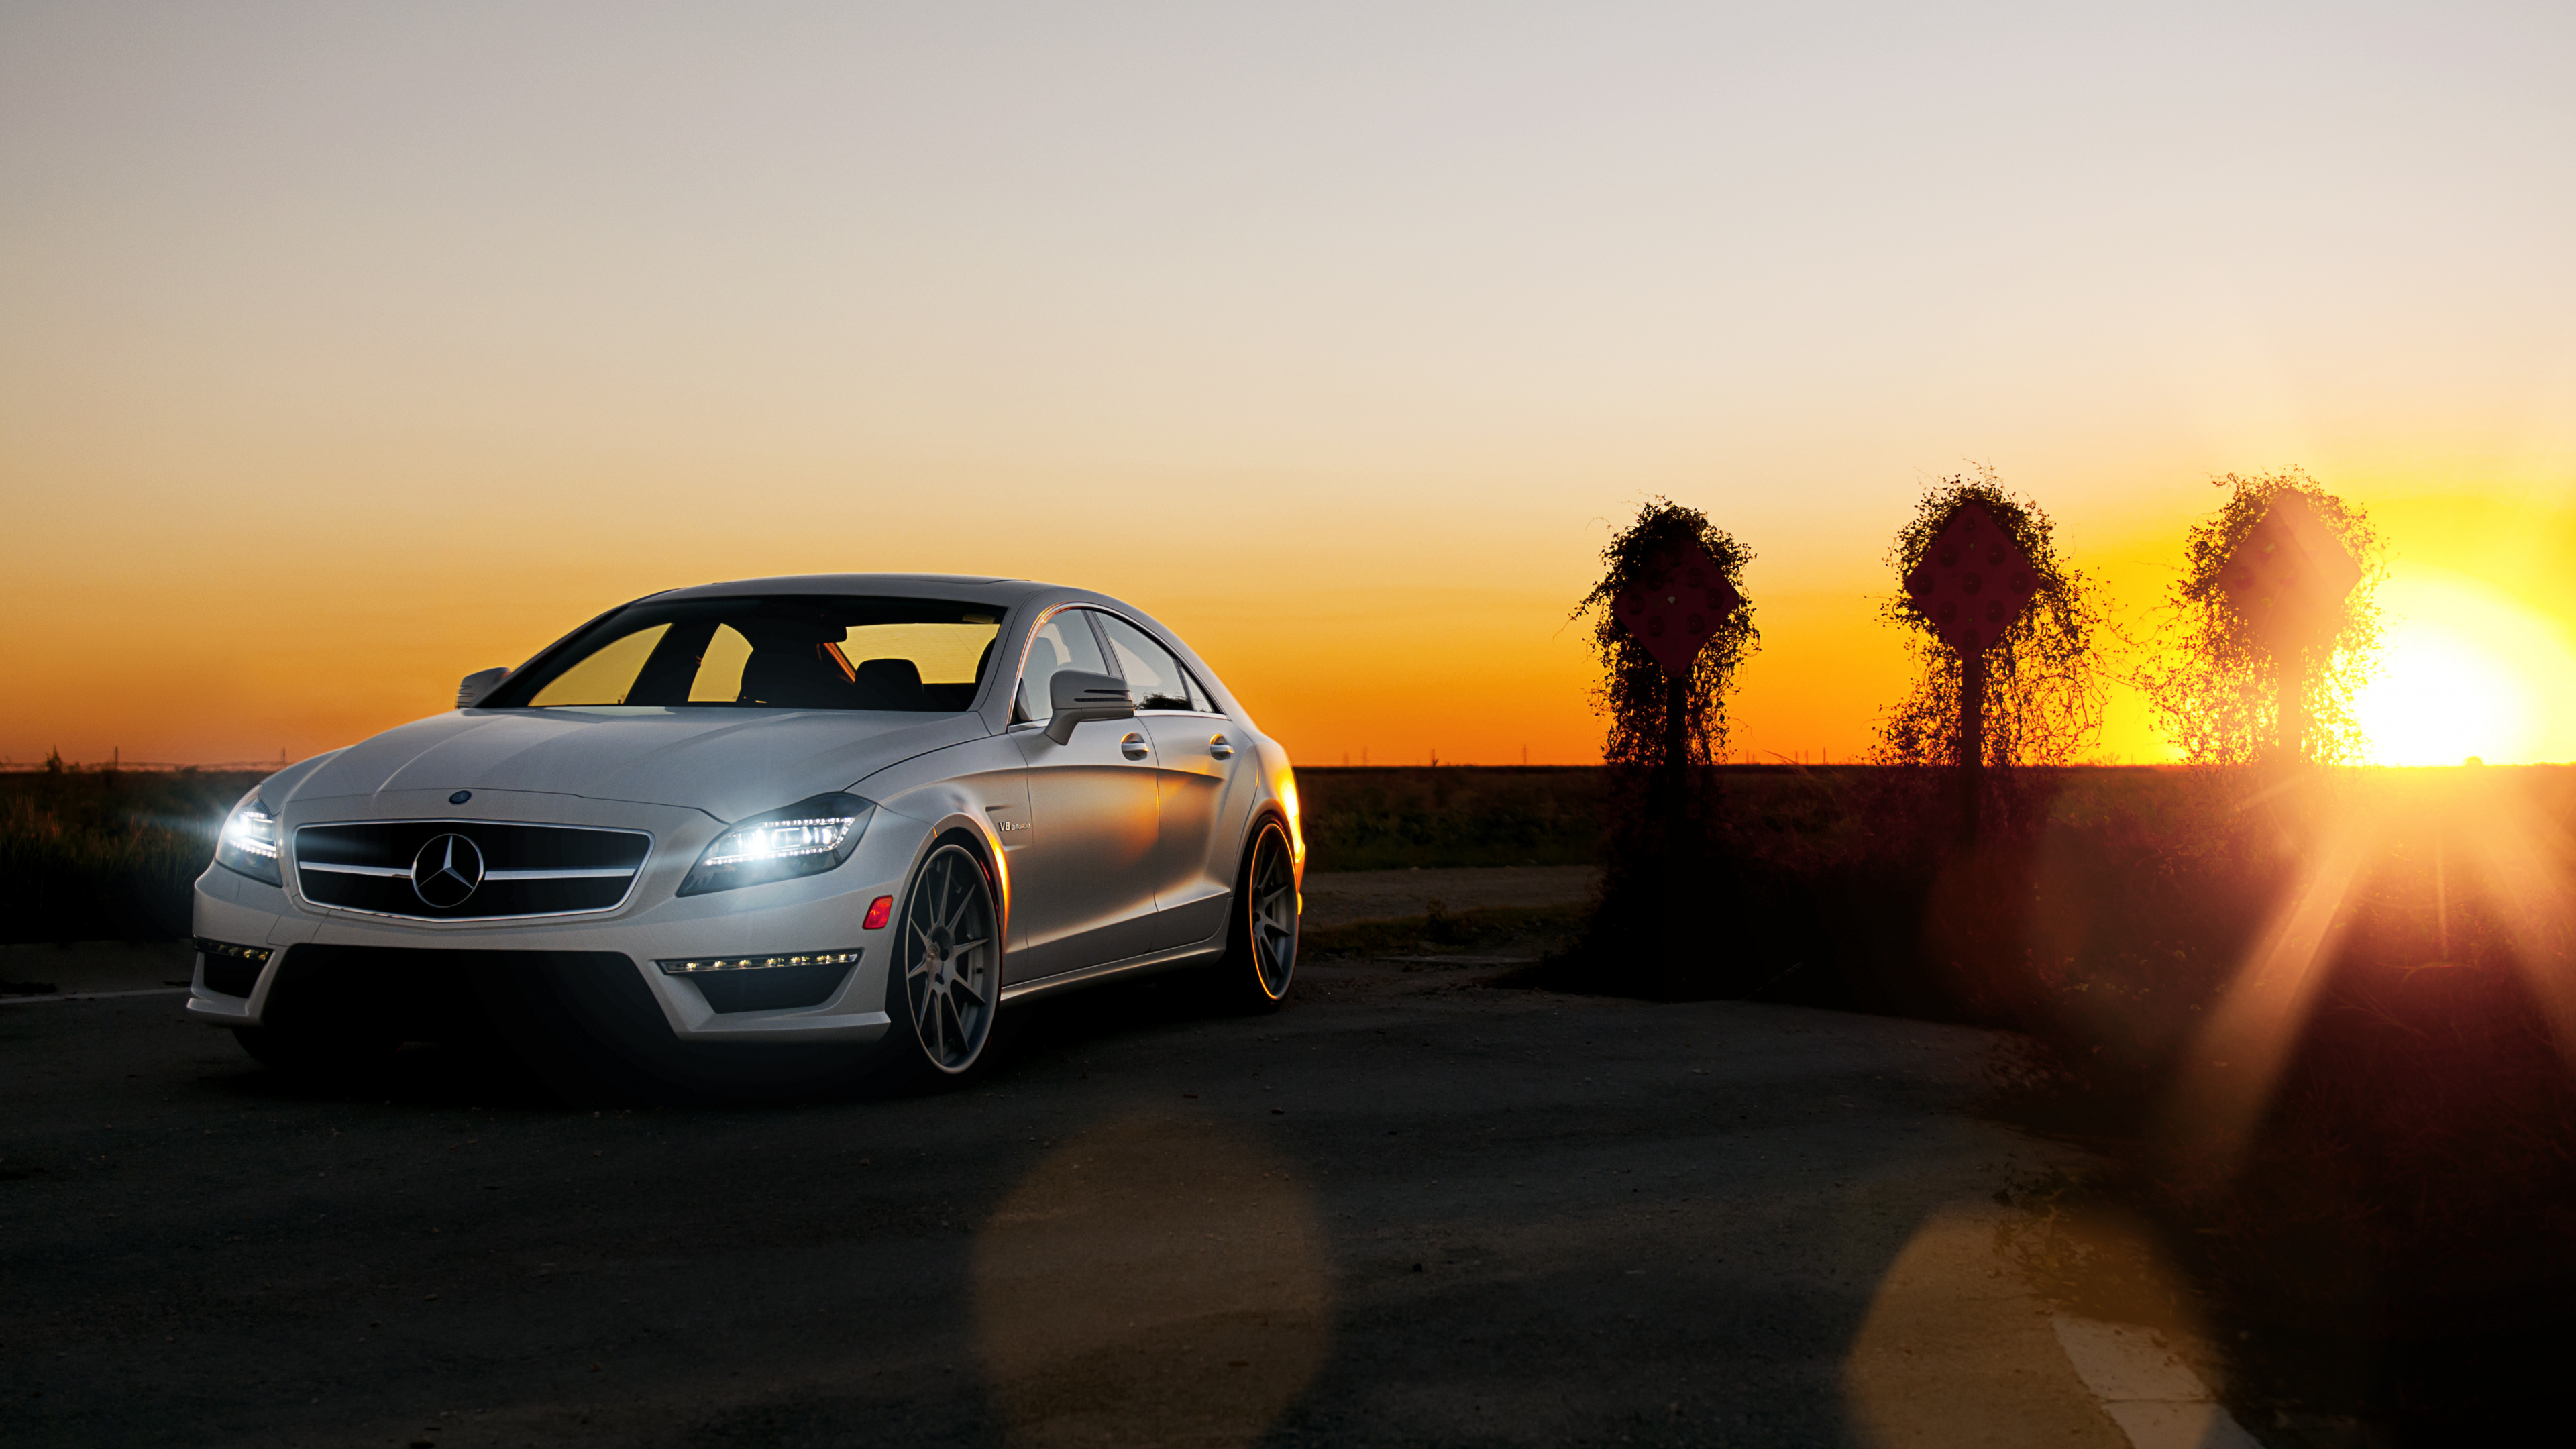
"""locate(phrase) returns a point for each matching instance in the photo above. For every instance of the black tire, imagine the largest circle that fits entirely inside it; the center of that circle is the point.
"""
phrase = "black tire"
(333, 1055)
(1261, 935)
(944, 976)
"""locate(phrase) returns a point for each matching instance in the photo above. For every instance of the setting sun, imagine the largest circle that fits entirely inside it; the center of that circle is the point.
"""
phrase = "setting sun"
(2466, 672)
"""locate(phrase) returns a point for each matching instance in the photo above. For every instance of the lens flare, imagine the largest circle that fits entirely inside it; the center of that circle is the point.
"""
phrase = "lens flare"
(2238, 1054)
(2466, 672)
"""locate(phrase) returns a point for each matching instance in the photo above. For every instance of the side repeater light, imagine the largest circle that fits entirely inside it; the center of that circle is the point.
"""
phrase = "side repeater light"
(880, 911)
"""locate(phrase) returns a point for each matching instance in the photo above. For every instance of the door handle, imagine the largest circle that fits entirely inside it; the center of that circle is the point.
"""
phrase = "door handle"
(1218, 747)
(1133, 747)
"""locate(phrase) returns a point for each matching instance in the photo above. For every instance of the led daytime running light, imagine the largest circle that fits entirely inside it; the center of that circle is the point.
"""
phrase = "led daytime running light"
(249, 842)
(252, 831)
(699, 965)
(780, 840)
(807, 838)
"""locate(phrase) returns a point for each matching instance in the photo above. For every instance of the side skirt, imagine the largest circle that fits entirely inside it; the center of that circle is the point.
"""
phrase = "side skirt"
(1145, 965)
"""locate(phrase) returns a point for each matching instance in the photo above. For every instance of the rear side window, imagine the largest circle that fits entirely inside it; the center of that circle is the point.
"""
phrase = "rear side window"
(922, 656)
(1153, 675)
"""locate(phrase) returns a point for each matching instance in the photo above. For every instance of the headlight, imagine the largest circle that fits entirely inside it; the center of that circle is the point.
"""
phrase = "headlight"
(807, 838)
(249, 841)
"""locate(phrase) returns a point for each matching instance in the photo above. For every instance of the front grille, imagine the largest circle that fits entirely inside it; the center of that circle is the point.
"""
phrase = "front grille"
(489, 869)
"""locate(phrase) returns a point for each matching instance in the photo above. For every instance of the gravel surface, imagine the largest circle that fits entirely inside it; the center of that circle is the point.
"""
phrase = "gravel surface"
(1410, 1208)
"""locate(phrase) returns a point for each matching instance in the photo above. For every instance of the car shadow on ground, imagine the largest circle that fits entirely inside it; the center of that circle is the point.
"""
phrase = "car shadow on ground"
(481, 1071)
(437, 1076)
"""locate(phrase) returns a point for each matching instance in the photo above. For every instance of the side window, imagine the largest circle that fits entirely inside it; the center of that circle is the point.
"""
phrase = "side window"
(1153, 675)
(1063, 642)
(1199, 699)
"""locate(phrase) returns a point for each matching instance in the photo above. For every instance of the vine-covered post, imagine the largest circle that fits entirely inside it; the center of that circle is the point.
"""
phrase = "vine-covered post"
(1672, 627)
(1972, 584)
(2002, 632)
(2274, 627)
(1972, 743)
(1676, 765)
(2288, 578)
(1677, 604)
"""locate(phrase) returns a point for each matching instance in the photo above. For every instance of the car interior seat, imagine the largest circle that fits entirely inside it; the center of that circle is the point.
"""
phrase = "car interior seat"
(795, 676)
(891, 684)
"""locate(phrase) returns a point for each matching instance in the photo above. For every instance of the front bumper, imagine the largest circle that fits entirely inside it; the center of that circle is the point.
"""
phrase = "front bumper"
(822, 913)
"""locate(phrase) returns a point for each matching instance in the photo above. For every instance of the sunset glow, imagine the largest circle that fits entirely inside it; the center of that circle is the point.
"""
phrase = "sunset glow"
(2465, 673)
(361, 349)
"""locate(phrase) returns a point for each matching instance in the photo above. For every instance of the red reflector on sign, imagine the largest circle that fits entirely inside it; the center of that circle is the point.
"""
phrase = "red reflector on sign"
(879, 911)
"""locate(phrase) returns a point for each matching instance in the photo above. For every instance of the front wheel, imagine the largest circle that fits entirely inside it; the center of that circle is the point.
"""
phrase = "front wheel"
(947, 981)
(1261, 949)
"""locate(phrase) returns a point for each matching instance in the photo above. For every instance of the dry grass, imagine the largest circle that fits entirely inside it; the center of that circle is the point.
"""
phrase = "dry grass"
(102, 855)
(1394, 817)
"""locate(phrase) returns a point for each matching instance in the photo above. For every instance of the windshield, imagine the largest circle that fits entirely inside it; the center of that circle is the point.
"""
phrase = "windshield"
(776, 652)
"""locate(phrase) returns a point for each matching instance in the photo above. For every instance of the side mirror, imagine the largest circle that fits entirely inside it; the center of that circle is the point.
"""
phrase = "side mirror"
(476, 685)
(1080, 696)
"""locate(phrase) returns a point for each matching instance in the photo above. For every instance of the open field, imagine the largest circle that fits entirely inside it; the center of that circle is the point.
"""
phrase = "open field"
(92, 855)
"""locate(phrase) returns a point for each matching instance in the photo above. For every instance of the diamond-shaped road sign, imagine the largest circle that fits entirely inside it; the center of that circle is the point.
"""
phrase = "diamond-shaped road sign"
(2289, 574)
(1972, 582)
(1677, 603)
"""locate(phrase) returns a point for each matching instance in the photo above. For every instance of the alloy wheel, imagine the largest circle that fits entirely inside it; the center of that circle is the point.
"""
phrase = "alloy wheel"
(951, 958)
(1274, 912)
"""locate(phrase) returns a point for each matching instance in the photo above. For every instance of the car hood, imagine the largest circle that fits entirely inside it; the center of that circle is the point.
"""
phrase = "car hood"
(727, 762)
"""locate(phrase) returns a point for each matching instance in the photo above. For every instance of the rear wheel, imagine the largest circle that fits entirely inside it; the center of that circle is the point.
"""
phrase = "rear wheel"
(1262, 938)
(947, 981)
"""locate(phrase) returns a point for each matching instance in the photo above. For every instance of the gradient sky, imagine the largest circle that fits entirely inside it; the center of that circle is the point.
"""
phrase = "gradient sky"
(348, 348)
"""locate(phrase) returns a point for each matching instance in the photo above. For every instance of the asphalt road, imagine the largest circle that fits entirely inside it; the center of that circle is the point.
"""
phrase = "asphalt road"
(1410, 1208)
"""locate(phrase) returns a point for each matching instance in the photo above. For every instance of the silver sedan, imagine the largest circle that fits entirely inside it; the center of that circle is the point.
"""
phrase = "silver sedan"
(765, 836)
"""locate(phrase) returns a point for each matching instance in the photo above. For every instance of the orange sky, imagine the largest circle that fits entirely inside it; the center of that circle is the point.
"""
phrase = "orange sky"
(342, 354)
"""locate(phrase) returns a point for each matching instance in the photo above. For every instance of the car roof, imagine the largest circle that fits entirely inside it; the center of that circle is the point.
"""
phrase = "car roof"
(965, 588)
(1003, 593)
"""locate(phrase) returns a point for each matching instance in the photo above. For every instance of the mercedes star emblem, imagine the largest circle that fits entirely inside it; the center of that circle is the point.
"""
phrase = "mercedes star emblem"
(446, 871)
